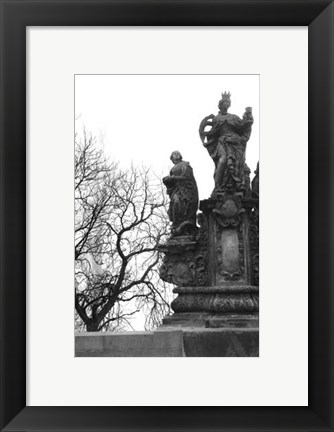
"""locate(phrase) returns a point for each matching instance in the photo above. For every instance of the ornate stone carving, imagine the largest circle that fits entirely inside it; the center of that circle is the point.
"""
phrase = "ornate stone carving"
(226, 144)
(234, 299)
(254, 244)
(230, 264)
(182, 190)
(228, 210)
(185, 269)
(185, 261)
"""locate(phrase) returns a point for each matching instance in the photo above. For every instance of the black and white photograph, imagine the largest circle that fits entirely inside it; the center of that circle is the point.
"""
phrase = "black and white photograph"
(151, 280)
(166, 196)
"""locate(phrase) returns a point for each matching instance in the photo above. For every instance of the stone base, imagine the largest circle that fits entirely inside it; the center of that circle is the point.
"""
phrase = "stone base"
(231, 299)
(225, 342)
(216, 335)
(210, 320)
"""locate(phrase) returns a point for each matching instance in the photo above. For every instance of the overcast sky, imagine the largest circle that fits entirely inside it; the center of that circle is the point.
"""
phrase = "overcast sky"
(143, 118)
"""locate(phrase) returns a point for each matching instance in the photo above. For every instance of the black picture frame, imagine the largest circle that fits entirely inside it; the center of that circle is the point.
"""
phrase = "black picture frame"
(16, 15)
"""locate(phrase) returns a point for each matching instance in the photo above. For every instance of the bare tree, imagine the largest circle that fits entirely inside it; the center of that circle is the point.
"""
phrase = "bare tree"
(120, 218)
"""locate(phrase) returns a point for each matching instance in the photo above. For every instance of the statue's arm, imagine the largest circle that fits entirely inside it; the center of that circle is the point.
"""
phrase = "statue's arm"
(243, 125)
(181, 172)
(181, 176)
(248, 117)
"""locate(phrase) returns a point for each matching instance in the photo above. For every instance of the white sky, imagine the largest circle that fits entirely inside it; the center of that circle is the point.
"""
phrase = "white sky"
(143, 118)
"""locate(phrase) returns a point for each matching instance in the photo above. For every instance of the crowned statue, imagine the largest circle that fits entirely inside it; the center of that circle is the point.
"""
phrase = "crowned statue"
(226, 143)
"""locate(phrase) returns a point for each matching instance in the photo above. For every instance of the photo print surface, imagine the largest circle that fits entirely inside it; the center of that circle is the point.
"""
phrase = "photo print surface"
(167, 215)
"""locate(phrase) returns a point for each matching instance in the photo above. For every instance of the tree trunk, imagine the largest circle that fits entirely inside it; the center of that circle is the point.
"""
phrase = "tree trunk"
(92, 326)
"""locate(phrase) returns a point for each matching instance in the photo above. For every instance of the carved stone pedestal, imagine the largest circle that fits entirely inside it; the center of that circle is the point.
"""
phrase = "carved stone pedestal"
(216, 271)
(232, 239)
(185, 261)
(215, 307)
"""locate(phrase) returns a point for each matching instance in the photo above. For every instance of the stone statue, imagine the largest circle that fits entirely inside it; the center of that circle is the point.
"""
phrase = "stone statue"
(256, 180)
(214, 263)
(247, 172)
(226, 143)
(182, 190)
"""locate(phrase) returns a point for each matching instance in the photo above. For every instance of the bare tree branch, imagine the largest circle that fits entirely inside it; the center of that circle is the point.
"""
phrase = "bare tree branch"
(120, 218)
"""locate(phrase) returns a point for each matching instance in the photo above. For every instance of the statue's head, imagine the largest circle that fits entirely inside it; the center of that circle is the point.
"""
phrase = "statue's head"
(225, 102)
(176, 157)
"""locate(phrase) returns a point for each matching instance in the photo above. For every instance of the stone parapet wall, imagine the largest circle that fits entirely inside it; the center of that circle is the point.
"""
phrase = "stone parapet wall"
(171, 342)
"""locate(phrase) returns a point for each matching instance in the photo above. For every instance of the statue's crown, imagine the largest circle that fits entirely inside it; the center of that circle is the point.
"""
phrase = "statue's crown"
(226, 95)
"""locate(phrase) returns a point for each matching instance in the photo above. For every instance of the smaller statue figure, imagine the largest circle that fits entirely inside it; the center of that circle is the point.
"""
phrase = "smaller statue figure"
(256, 181)
(226, 143)
(247, 172)
(182, 190)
